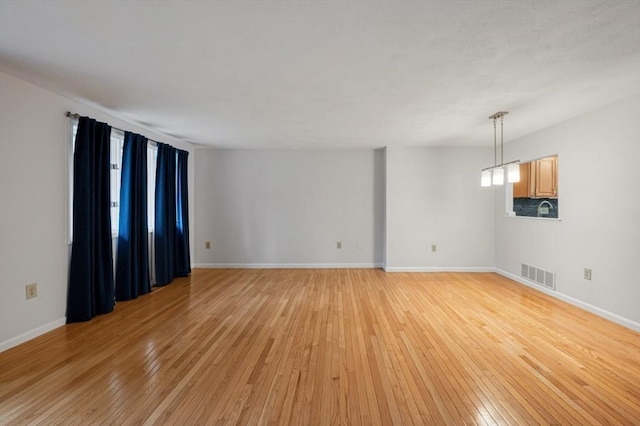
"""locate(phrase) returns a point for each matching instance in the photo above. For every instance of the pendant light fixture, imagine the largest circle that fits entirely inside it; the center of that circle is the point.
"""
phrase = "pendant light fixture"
(495, 175)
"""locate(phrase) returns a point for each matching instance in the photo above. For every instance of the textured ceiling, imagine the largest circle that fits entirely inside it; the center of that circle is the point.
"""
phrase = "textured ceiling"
(329, 73)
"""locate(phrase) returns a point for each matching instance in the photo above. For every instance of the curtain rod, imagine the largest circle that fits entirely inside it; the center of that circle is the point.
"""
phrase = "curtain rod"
(77, 116)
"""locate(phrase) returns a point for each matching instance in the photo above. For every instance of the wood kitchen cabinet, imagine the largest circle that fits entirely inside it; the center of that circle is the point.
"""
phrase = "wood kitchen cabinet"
(538, 179)
(522, 189)
(546, 177)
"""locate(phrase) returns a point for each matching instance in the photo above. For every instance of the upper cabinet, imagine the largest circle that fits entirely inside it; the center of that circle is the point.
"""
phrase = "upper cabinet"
(538, 179)
(546, 177)
(522, 189)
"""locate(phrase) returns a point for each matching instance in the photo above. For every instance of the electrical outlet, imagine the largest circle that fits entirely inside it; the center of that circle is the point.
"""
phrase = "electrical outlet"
(31, 290)
(433, 248)
(587, 274)
(339, 245)
(359, 245)
(207, 245)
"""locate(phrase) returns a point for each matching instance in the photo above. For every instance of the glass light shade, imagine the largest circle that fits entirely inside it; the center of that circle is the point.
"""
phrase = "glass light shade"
(498, 176)
(485, 180)
(513, 173)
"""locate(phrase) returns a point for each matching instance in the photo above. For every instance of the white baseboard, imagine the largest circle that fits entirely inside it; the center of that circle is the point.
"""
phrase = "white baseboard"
(625, 322)
(288, 265)
(15, 341)
(440, 269)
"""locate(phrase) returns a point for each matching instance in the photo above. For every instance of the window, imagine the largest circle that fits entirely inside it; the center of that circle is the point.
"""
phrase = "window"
(73, 129)
(117, 144)
(152, 161)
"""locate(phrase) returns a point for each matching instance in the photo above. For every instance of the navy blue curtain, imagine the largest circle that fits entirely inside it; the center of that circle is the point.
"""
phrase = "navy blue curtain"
(183, 259)
(91, 289)
(165, 218)
(132, 261)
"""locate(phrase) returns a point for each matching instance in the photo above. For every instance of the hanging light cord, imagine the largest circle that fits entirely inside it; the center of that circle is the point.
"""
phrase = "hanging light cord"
(495, 143)
(501, 139)
(495, 117)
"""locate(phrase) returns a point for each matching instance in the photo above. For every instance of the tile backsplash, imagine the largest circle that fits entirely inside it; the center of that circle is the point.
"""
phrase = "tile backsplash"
(529, 207)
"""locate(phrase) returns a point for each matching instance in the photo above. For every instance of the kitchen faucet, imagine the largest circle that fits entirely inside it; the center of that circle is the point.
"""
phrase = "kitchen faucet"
(550, 206)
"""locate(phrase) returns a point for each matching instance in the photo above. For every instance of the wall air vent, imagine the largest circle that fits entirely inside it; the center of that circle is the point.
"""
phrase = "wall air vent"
(538, 276)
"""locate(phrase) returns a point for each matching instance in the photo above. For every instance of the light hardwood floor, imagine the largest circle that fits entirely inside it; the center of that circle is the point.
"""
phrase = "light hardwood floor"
(329, 347)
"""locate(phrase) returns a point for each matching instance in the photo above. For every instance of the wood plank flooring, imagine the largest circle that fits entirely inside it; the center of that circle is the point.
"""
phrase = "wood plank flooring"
(329, 347)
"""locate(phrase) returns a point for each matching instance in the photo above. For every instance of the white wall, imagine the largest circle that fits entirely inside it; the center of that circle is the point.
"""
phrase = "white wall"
(33, 204)
(434, 197)
(289, 207)
(599, 207)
